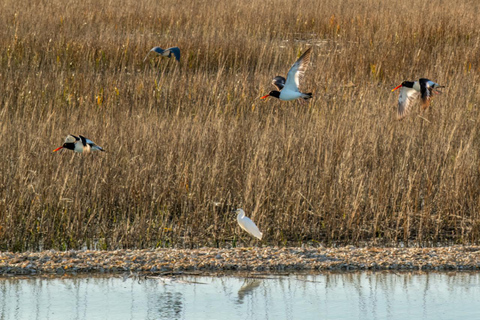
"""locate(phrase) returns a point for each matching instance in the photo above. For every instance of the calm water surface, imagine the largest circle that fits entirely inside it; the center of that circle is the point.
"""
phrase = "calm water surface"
(324, 296)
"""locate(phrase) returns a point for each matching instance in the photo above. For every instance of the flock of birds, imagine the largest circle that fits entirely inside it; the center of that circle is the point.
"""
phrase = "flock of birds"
(287, 89)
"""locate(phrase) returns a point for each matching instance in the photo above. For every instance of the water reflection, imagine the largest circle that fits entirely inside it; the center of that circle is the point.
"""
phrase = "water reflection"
(248, 286)
(170, 305)
(326, 296)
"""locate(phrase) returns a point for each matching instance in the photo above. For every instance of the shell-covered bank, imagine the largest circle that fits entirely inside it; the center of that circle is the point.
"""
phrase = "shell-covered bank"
(241, 259)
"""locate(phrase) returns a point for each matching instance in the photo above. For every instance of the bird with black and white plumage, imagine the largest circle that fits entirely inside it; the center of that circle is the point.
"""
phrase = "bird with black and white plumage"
(173, 51)
(413, 91)
(79, 144)
(288, 89)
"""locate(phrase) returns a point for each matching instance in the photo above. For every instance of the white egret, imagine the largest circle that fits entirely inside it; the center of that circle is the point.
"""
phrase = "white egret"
(247, 224)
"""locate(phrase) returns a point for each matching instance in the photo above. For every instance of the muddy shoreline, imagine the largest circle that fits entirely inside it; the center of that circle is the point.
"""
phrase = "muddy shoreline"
(273, 259)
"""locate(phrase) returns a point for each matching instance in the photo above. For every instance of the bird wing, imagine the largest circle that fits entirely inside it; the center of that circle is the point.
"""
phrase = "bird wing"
(175, 51)
(95, 147)
(92, 144)
(157, 50)
(154, 49)
(84, 141)
(71, 139)
(297, 70)
(406, 99)
(249, 226)
(427, 88)
(279, 82)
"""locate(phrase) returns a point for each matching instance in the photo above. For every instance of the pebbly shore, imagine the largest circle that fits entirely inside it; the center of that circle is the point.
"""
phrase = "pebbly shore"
(264, 259)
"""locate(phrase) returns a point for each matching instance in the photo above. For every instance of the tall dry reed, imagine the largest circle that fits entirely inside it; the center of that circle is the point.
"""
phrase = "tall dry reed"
(188, 142)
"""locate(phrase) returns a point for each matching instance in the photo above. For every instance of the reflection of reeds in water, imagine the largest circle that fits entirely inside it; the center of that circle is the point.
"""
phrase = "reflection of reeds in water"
(247, 288)
(183, 136)
(364, 295)
(170, 304)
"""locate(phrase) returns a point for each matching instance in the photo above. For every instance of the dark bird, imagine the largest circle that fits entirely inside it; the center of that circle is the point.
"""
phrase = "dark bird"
(288, 88)
(412, 92)
(175, 51)
(79, 144)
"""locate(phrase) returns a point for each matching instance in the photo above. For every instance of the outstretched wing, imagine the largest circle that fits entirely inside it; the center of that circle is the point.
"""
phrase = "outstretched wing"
(297, 70)
(279, 82)
(406, 99)
(157, 50)
(92, 144)
(71, 139)
(154, 49)
(427, 88)
(84, 141)
(175, 51)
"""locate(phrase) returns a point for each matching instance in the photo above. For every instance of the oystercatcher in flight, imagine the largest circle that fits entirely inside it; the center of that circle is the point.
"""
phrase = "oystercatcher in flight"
(79, 144)
(288, 88)
(411, 92)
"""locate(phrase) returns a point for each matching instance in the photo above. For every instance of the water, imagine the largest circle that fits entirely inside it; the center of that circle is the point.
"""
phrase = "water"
(323, 296)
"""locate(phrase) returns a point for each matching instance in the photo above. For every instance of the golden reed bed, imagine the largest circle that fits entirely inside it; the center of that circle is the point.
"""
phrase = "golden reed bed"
(186, 142)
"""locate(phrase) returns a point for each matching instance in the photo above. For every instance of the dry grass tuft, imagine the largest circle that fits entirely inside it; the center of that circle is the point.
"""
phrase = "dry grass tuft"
(188, 142)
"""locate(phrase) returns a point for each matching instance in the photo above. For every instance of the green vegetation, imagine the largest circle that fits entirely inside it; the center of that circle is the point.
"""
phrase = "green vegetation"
(188, 142)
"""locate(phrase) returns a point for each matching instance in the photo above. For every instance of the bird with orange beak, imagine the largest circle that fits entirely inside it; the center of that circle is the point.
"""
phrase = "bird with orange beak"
(413, 91)
(79, 144)
(288, 88)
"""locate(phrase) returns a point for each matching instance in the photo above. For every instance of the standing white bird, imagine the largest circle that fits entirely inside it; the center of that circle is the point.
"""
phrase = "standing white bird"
(288, 88)
(412, 91)
(247, 224)
(175, 51)
(80, 145)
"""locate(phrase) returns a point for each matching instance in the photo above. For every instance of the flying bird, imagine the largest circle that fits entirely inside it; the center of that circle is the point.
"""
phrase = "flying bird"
(247, 224)
(288, 88)
(79, 144)
(411, 92)
(175, 51)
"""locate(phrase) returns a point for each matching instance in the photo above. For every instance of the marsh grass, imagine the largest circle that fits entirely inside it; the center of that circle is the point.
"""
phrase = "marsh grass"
(188, 142)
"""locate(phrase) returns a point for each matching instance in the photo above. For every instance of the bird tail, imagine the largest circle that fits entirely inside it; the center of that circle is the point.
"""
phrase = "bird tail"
(307, 96)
